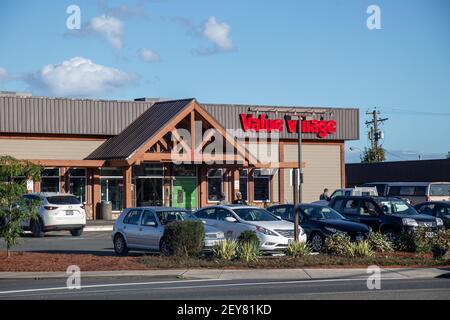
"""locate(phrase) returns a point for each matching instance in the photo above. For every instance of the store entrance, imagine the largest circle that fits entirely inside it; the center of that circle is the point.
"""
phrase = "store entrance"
(149, 192)
(185, 192)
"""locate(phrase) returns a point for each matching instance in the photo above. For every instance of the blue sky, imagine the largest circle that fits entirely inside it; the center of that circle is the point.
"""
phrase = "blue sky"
(286, 52)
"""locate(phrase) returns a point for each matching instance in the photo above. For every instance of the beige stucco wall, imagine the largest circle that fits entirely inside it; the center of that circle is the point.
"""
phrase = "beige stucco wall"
(322, 170)
(48, 149)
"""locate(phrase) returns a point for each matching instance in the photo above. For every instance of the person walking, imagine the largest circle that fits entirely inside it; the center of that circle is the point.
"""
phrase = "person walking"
(324, 195)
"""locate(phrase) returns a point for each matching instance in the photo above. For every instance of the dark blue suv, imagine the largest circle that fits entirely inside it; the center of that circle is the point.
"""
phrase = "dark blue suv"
(389, 215)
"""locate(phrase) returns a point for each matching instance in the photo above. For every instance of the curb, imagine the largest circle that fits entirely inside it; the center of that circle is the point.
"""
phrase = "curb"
(225, 274)
(98, 228)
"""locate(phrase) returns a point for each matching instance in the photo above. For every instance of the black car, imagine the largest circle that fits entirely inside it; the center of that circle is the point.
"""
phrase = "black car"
(320, 222)
(388, 215)
(438, 209)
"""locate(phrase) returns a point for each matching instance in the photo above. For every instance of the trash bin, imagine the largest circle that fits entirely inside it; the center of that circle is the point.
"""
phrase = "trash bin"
(106, 210)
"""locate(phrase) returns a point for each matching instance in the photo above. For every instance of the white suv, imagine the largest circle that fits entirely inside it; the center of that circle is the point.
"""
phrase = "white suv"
(56, 212)
(274, 233)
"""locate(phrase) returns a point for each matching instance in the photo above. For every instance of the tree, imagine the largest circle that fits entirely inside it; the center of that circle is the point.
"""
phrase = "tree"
(371, 155)
(13, 209)
(448, 155)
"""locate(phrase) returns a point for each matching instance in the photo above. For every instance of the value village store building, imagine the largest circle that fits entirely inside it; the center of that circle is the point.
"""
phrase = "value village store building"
(122, 151)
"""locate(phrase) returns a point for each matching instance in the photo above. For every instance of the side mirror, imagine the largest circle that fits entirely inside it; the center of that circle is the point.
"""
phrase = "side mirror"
(230, 220)
(279, 218)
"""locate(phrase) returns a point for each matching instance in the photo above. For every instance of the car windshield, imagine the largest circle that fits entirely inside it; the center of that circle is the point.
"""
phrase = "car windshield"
(395, 206)
(63, 200)
(255, 214)
(321, 213)
(189, 216)
(166, 217)
(440, 190)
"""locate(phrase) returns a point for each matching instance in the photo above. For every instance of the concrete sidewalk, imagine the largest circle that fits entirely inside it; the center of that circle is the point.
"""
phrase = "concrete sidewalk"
(99, 225)
(221, 274)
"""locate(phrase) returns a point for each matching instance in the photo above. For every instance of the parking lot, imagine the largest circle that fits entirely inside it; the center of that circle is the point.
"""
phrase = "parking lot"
(98, 243)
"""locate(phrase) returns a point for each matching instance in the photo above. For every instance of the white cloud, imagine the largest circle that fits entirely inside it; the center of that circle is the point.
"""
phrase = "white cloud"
(3, 74)
(109, 27)
(148, 55)
(218, 33)
(79, 77)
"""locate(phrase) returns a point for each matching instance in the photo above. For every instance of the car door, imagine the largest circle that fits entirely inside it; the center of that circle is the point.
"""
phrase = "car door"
(131, 226)
(427, 208)
(369, 214)
(350, 209)
(208, 216)
(151, 231)
(232, 230)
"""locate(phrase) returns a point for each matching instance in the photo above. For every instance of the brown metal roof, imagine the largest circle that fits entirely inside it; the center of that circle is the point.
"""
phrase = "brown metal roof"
(140, 131)
(42, 115)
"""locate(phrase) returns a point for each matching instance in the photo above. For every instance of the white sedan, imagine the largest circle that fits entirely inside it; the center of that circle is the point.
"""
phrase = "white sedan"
(274, 233)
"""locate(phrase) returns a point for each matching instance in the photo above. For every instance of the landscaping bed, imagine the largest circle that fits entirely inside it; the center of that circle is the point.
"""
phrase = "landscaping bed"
(47, 262)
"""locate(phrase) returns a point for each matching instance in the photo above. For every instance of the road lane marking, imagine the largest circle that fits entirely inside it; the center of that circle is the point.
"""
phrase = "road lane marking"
(102, 286)
(188, 281)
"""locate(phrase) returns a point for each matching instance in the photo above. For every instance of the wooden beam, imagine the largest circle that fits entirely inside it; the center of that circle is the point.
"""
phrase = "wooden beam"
(127, 185)
(96, 193)
(69, 163)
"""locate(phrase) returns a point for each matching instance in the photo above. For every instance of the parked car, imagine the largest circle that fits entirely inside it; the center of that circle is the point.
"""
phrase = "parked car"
(388, 215)
(320, 222)
(438, 209)
(274, 233)
(415, 192)
(56, 212)
(142, 228)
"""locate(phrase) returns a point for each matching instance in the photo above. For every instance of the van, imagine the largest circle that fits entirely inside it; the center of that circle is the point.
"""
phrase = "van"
(415, 192)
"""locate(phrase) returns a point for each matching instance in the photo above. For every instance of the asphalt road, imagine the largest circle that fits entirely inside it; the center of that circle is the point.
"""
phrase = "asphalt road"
(62, 242)
(176, 289)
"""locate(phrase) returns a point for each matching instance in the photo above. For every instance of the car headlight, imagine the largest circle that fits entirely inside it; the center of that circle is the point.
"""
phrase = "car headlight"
(410, 222)
(439, 222)
(265, 231)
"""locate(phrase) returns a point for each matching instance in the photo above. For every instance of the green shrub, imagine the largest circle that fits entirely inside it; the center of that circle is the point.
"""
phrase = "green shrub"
(298, 249)
(249, 236)
(414, 241)
(440, 243)
(339, 244)
(248, 251)
(226, 250)
(361, 249)
(379, 243)
(183, 238)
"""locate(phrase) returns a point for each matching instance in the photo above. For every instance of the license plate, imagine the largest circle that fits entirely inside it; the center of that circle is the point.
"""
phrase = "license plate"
(290, 241)
(359, 238)
(69, 213)
(429, 234)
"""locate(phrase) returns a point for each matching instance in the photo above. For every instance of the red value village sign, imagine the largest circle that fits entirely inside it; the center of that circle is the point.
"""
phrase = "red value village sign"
(260, 124)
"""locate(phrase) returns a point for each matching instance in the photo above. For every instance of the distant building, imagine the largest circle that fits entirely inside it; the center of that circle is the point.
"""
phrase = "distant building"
(398, 171)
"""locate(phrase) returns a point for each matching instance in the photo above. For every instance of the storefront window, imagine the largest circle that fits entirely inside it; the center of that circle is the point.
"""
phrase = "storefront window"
(261, 185)
(111, 180)
(77, 183)
(50, 180)
(215, 179)
(243, 183)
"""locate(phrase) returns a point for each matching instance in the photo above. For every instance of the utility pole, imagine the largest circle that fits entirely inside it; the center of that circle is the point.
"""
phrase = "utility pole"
(375, 134)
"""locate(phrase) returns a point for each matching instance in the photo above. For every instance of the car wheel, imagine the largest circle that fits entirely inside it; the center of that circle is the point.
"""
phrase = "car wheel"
(120, 246)
(36, 228)
(164, 248)
(317, 242)
(389, 234)
(76, 232)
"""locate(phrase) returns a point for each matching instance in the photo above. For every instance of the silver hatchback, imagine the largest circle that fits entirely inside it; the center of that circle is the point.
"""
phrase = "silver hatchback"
(143, 228)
